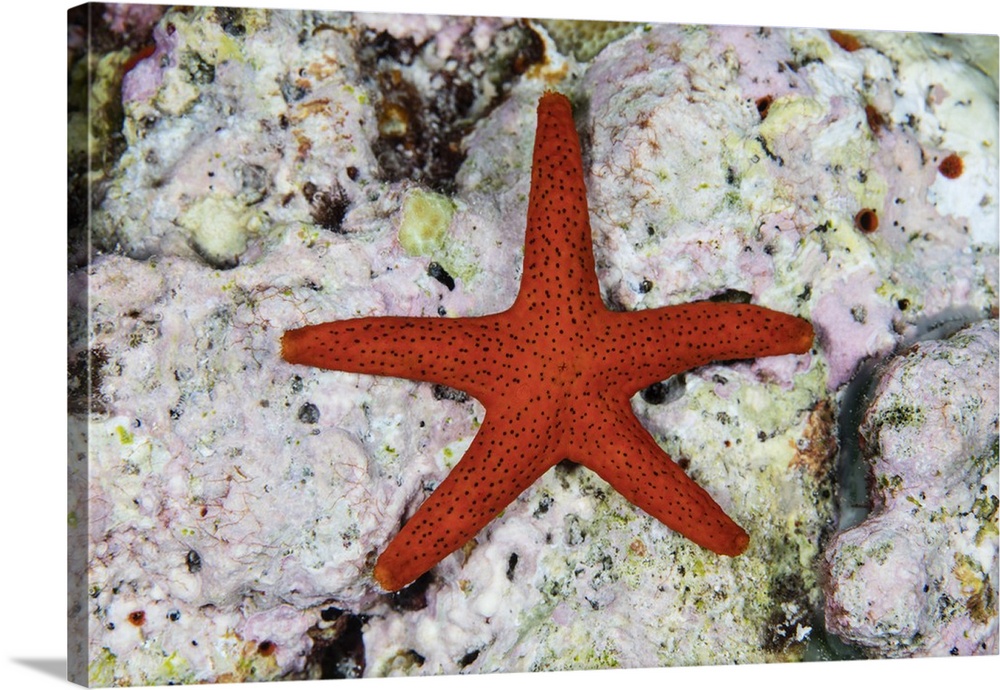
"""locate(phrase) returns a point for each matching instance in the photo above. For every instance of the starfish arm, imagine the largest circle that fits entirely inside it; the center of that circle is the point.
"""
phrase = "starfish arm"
(654, 344)
(505, 458)
(628, 459)
(558, 253)
(422, 349)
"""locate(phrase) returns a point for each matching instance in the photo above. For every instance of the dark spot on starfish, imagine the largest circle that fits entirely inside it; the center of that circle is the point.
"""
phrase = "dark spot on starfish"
(951, 167)
(193, 561)
(137, 618)
(438, 273)
(645, 286)
(173, 615)
(266, 648)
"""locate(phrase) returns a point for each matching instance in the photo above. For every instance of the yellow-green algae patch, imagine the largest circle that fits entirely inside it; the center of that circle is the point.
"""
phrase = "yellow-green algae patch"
(585, 39)
(219, 227)
(101, 671)
(788, 112)
(124, 436)
(425, 222)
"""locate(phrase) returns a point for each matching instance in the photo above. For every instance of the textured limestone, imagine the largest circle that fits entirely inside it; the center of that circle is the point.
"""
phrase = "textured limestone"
(237, 502)
(919, 576)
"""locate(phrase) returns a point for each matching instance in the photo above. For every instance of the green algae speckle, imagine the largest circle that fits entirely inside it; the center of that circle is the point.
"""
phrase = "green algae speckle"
(403, 662)
(981, 598)
(598, 658)
(125, 437)
(175, 670)
(880, 552)
(308, 234)
(101, 671)
(985, 510)
(901, 415)
(789, 112)
(359, 95)
(851, 553)
(987, 462)
(425, 221)
(890, 485)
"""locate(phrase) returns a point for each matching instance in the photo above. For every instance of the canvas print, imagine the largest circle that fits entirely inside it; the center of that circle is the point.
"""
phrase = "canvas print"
(421, 345)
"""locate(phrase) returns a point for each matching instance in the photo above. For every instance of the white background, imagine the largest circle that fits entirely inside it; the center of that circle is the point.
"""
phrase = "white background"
(33, 327)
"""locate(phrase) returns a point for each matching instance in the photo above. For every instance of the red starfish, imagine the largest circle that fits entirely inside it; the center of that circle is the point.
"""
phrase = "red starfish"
(555, 373)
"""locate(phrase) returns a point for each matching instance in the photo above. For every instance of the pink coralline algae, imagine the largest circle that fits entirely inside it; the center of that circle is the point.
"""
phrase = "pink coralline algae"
(143, 80)
(126, 18)
(254, 190)
(919, 576)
